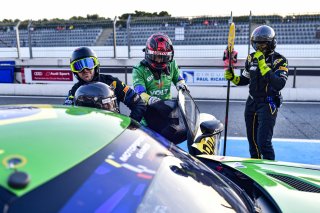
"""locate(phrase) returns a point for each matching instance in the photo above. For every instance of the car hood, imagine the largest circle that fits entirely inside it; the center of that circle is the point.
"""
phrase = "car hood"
(45, 141)
(292, 186)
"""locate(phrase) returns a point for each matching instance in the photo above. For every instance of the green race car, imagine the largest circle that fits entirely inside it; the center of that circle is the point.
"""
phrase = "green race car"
(77, 159)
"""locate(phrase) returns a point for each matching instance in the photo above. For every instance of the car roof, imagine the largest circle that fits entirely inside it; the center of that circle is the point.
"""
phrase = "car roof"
(44, 141)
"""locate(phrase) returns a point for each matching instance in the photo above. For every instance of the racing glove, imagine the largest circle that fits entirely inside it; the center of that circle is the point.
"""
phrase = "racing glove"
(264, 69)
(68, 100)
(181, 85)
(229, 75)
(153, 99)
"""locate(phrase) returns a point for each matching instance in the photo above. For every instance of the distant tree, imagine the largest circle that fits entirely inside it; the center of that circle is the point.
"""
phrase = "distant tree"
(138, 14)
(77, 18)
(164, 13)
(93, 17)
(7, 21)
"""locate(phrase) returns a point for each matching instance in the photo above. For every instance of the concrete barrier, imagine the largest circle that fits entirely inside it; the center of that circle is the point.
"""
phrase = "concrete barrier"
(35, 89)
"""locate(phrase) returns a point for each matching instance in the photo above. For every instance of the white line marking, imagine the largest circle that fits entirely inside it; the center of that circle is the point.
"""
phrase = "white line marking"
(280, 140)
(243, 101)
(33, 97)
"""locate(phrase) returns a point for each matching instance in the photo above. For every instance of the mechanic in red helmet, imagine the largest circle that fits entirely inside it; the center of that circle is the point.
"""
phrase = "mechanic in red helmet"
(153, 76)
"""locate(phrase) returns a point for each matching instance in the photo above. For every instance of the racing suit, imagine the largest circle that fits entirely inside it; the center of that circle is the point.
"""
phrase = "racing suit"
(263, 102)
(146, 85)
(123, 92)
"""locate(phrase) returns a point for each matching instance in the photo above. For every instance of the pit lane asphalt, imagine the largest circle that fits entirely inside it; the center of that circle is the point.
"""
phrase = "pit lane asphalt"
(296, 120)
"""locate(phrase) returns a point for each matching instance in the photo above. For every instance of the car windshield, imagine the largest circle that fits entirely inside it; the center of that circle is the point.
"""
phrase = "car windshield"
(139, 171)
(177, 188)
(190, 111)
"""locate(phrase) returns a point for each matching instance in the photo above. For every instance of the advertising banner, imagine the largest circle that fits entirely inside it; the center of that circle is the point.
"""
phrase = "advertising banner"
(49, 75)
(205, 76)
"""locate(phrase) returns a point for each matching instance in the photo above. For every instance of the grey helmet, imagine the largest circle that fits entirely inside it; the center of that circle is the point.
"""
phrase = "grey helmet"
(97, 95)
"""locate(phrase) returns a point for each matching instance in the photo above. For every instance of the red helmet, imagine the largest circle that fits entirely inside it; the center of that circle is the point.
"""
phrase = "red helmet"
(159, 52)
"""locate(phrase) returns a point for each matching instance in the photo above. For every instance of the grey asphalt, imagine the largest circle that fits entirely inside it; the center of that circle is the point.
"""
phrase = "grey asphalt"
(296, 120)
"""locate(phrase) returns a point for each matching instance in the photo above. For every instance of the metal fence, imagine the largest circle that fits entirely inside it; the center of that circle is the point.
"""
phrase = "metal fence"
(193, 37)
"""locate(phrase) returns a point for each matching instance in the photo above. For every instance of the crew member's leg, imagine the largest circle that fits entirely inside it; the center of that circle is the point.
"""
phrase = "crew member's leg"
(251, 127)
(266, 120)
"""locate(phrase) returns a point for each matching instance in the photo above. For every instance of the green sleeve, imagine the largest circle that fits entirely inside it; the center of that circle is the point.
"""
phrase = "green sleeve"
(137, 77)
(176, 72)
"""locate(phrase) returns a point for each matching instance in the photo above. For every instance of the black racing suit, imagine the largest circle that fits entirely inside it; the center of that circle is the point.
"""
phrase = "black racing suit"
(123, 92)
(263, 102)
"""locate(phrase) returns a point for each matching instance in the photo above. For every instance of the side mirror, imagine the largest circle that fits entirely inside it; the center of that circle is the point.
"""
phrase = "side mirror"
(211, 127)
(208, 141)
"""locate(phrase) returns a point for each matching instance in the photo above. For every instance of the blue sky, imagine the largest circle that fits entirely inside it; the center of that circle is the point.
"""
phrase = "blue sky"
(36, 9)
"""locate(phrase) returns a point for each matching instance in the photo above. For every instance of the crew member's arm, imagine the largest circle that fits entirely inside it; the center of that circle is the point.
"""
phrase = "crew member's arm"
(130, 98)
(70, 98)
(177, 78)
(244, 79)
(279, 76)
(140, 87)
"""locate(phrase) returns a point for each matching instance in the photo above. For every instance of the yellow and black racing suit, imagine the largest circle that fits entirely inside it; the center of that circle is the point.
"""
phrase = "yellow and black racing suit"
(123, 92)
(263, 102)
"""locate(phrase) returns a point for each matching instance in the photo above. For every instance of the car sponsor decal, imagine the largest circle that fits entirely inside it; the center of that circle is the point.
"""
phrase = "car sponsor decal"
(123, 176)
(14, 161)
(206, 145)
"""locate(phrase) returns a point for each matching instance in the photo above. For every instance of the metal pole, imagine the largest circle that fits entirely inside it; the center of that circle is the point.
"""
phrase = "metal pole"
(250, 20)
(230, 47)
(29, 39)
(18, 38)
(126, 75)
(294, 77)
(114, 37)
(129, 36)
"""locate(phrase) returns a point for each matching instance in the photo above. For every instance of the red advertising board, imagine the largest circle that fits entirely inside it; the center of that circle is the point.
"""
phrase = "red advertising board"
(51, 75)
(48, 75)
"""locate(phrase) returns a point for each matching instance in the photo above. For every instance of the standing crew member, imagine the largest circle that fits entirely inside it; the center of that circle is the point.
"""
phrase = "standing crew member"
(266, 73)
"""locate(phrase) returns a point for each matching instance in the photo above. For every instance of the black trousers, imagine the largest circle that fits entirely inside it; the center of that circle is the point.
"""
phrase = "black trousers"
(260, 118)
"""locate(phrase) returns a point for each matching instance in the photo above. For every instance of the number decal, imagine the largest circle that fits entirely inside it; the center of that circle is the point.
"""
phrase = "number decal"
(206, 145)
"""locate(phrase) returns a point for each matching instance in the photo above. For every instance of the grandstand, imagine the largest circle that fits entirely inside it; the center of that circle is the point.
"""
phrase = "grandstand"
(300, 29)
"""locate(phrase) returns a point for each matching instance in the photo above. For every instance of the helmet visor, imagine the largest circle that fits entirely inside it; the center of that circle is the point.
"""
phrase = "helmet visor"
(108, 103)
(159, 57)
(260, 45)
(80, 65)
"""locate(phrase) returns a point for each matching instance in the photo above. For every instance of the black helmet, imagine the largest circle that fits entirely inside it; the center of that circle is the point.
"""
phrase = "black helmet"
(98, 95)
(264, 35)
(84, 57)
(159, 46)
